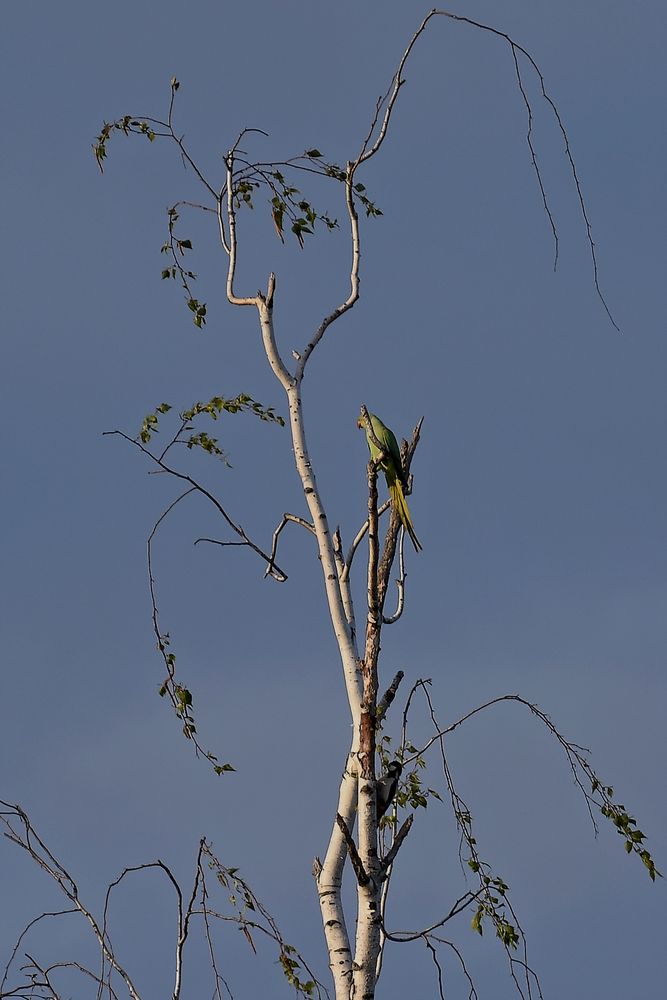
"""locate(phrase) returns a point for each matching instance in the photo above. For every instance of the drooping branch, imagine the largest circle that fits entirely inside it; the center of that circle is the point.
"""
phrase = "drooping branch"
(372, 145)
(492, 897)
(597, 795)
(461, 904)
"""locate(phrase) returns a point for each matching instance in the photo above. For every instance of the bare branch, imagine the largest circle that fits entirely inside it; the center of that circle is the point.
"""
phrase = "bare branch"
(400, 583)
(286, 519)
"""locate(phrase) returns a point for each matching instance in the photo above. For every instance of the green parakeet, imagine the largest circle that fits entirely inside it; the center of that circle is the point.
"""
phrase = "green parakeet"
(392, 467)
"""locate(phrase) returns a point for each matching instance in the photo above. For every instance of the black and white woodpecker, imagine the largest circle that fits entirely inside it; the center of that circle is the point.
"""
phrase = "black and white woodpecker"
(386, 786)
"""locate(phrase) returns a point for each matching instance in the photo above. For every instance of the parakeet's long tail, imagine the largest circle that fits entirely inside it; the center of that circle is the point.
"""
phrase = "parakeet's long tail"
(400, 503)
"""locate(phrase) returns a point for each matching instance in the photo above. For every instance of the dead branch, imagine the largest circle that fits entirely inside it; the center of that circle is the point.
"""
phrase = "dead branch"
(398, 840)
(388, 697)
(357, 864)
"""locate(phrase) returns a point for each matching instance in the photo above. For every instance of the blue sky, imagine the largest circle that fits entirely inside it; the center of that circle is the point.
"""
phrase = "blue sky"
(540, 484)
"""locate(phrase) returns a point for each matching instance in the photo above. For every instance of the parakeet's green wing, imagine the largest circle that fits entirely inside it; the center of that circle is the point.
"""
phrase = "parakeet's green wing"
(393, 472)
(388, 441)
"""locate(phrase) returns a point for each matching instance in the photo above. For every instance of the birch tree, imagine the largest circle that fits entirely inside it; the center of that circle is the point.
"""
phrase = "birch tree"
(362, 834)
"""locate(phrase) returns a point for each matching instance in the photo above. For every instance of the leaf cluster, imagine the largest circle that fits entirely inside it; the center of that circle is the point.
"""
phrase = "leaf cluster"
(626, 827)
(213, 407)
(127, 124)
(287, 203)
